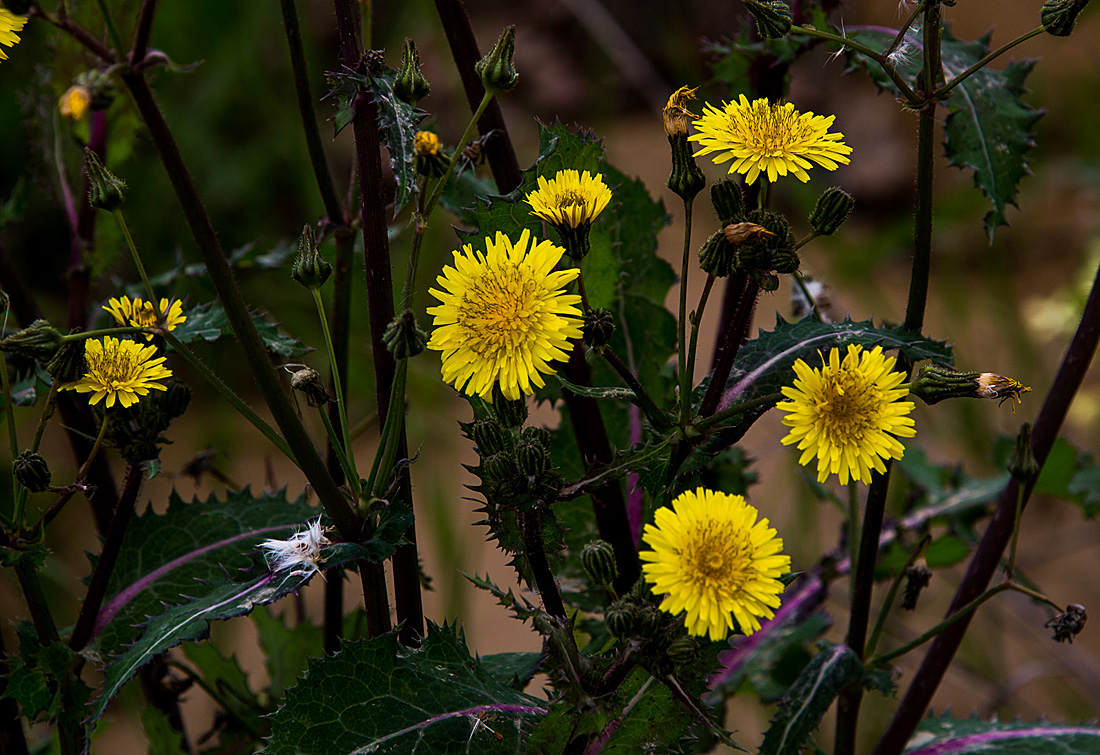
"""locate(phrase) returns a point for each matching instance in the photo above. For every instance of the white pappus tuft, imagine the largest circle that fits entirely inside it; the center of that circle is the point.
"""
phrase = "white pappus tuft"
(300, 551)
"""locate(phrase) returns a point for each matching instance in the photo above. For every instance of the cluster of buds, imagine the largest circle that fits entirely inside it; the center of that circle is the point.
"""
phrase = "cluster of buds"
(91, 91)
(757, 242)
(661, 641)
(137, 431)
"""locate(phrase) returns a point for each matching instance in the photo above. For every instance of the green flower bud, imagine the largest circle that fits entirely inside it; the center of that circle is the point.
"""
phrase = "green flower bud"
(767, 281)
(785, 260)
(175, 399)
(100, 86)
(310, 268)
(68, 364)
(1060, 16)
(934, 384)
(498, 69)
(717, 257)
(598, 558)
(832, 209)
(1023, 465)
(105, 190)
(728, 201)
(686, 179)
(533, 459)
(308, 381)
(917, 578)
(773, 17)
(683, 650)
(410, 84)
(538, 435)
(39, 340)
(489, 437)
(403, 337)
(511, 413)
(620, 620)
(500, 467)
(575, 240)
(32, 471)
(598, 326)
(649, 622)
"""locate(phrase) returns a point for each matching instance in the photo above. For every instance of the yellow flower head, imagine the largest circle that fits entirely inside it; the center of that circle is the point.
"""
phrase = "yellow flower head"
(504, 315)
(569, 199)
(426, 143)
(676, 116)
(10, 25)
(74, 103)
(772, 138)
(846, 413)
(122, 370)
(713, 560)
(141, 314)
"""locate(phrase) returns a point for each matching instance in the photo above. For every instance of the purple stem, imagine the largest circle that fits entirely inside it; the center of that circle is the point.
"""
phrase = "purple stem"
(474, 712)
(635, 497)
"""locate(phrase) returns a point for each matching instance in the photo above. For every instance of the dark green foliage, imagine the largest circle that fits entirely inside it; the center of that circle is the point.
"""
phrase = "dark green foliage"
(208, 322)
(40, 679)
(957, 736)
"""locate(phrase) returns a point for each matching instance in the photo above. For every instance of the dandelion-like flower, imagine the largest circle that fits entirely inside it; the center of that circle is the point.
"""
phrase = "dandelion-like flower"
(713, 560)
(570, 201)
(766, 137)
(10, 26)
(504, 316)
(119, 370)
(846, 413)
(75, 102)
(301, 551)
(142, 314)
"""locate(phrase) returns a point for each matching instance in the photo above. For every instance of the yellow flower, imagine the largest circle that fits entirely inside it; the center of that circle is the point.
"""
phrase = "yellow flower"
(504, 316)
(141, 314)
(426, 143)
(74, 103)
(846, 413)
(569, 199)
(772, 138)
(122, 370)
(713, 560)
(10, 24)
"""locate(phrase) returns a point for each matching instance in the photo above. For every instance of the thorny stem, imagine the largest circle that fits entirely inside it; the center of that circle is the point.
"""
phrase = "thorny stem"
(137, 261)
(348, 455)
(888, 603)
(682, 323)
(95, 447)
(229, 395)
(800, 280)
(142, 32)
(652, 411)
(530, 524)
(744, 292)
(736, 409)
(697, 318)
(943, 91)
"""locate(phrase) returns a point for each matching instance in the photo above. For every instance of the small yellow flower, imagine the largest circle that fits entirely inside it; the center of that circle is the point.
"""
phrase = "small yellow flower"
(426, 143)
(992, 385)
(141, 314)
(74, 103)
(10, 25)
(569, 199)
(772, 138)
(714, 561)
(846, 413)
(504, 315)
(119, 370)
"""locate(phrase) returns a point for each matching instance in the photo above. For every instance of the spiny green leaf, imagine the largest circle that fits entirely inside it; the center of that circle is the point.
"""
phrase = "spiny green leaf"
(957, 736)
(808, 699)
(208, 321)
(162, 736)
(286, 650)
(632, 460)
(38, 678)
(513, 669)
(244, 712)
(376, 696)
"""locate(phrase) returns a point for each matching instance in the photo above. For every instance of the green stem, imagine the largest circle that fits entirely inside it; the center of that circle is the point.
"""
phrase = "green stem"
(234, 400)
(346, 464)
(386, 456)
(112, 32)
(1011, 570)
(120, 331)
(95, 447)
(696, 319)
(942, 92)
(13, 437)
(900, 36)
(853, 536)
(744, 406)
(353, 480)
(409, 289)
(888, 603)
(813, 235)
(137, 261)
(649, 406)
(470, 127)
(801, 281)
(906, 91)
(47, 413)
(682, 323)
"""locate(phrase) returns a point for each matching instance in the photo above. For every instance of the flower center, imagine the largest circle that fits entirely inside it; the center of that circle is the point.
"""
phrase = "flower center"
(719, 558)
(112, 368)
(770, 129)
(145, 316)
(568, 199)
(499, 311)
(848, 407)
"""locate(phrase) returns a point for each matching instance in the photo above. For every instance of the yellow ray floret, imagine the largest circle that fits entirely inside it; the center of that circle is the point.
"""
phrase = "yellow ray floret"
(712, 560)
(10, 26)
(504, 316)
(769, 138)
(141, 314)
(569, 199)
(119, 370)
(846, 414)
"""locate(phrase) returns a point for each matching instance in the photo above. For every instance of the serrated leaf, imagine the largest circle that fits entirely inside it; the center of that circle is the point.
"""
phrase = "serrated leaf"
(988, 127)
(227, 677)
(163, 738)
(376, 696)
(632, 460)
(1086, 485)
(286, 651)
(515, 670)
(955, 736)
(801, 710)
(656, 717)
(945, 551)
(38, 678)
(208, 322)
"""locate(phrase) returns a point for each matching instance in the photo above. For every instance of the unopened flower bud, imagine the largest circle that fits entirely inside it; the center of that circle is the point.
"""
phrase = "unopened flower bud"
(68, 364)
(308, 381)
(683, 650)
(1023, 465)
(500, 467)
(410, 84)
(403, 337)
(100, 86)
(538, 435)
(374, 61)
(832, 209)
(648, 622)
(728, 201)
(1060, 16)
(498, 69)
(597, 328)
(532, 459)
(686, 179)
(773, 17)
(785, 260)
(934, 384)
(32, 471)
(105, 190)
(598, 558)
(917, 578)
(1068, 625)
(716, 256)
(310, 268)
(620, 620)
(489, 437)
(39, 340)
(175, 399)
(510, 413)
